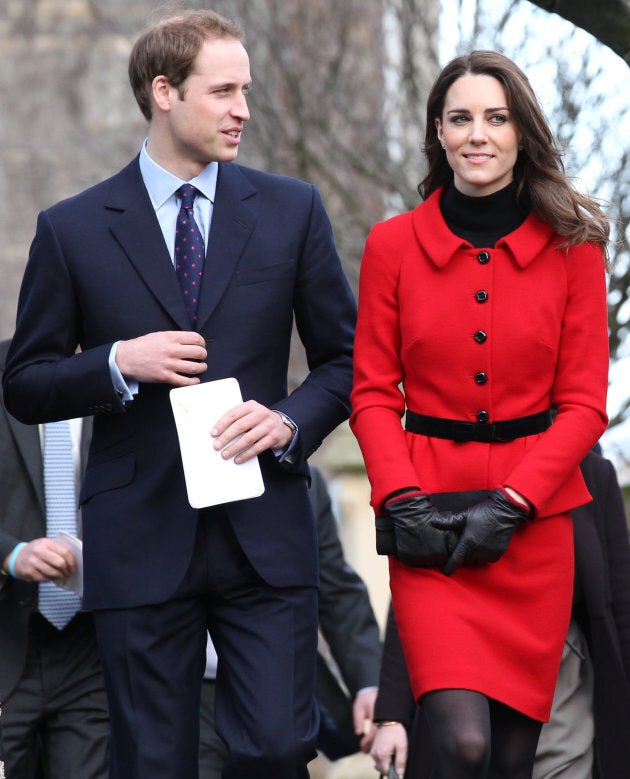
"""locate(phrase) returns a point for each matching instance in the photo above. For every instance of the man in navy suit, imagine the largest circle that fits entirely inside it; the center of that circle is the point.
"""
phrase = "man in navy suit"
(158, 573)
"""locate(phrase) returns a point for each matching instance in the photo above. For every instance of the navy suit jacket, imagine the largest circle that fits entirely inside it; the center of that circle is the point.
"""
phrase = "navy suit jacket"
(99, 271)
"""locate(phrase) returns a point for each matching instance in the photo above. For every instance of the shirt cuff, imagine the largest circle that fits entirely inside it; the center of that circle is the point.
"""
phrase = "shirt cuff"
(125, 389)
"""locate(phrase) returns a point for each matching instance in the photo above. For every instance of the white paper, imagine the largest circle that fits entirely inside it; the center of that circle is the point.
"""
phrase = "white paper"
(75, 545)
(210, 479)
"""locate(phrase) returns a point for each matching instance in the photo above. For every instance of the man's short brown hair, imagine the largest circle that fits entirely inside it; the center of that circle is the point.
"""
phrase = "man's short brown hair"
(170, 47)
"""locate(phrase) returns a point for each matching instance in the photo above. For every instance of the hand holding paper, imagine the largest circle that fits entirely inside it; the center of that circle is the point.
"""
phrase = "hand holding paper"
(248, 430)
(211, 478)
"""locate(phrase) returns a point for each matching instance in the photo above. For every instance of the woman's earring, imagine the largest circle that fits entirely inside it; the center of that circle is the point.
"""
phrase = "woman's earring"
(444, 146)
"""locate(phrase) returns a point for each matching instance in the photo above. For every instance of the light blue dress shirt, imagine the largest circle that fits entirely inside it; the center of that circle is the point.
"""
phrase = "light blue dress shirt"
(162, 186)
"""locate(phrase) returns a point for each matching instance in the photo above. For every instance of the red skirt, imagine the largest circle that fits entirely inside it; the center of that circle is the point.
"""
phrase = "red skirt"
(498, 629)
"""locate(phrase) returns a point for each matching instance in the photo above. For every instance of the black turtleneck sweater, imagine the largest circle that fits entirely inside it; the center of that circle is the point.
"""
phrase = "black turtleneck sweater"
(483, 220)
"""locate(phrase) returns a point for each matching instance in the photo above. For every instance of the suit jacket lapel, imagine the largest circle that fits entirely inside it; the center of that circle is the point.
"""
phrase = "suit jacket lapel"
(138, 232)
(28, 442)
(232, 223)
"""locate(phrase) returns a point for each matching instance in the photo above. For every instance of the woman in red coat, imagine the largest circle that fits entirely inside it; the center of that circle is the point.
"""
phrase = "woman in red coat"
(478, 311)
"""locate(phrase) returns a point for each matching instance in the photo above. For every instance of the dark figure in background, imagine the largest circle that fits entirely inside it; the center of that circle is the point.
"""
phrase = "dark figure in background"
(53, 706)
(588, 730)
(109, 270)
(348, 625)
(476, 311)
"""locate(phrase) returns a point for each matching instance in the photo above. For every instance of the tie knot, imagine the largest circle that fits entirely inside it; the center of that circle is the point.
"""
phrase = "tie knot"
(187, 194)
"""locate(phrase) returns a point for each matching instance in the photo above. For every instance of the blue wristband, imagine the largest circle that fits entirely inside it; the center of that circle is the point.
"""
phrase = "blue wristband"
(14, 554)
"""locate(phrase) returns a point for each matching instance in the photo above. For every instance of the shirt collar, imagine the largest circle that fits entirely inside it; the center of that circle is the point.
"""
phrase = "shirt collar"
(161, 184)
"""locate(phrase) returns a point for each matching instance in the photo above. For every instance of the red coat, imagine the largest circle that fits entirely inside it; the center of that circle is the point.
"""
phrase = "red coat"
(545, 321)
(427, 340)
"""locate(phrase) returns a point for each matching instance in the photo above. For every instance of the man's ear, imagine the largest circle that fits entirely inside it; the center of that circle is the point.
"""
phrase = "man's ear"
(162, 93)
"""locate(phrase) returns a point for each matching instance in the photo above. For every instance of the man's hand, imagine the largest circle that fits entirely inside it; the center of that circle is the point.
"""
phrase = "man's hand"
(249, 429)
(363, 717)
(172, 357)
(390, 743)
(43, 560)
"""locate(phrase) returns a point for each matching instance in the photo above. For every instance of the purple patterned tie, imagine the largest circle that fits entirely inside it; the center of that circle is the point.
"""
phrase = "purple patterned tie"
(190, 251)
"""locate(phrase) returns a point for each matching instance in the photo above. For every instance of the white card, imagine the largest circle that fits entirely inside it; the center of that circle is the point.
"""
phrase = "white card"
(210, 479)
(75, 545)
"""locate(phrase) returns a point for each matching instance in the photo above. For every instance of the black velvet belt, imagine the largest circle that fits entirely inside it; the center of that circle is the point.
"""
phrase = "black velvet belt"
(485, 432)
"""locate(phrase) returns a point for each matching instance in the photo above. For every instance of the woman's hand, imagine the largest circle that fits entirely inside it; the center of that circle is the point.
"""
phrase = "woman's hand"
(424, 536)
(487, 530)
(390, 743)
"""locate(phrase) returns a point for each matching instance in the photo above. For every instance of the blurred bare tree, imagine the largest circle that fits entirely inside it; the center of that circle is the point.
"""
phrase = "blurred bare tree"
(338, 100)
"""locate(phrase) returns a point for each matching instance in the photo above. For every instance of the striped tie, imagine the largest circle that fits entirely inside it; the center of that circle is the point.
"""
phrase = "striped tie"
(56, 604)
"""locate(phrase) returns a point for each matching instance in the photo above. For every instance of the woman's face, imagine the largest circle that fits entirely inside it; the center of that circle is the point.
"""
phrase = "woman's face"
(480, 138)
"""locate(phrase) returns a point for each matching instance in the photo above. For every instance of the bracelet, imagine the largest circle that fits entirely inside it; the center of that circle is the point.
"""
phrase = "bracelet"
(387, 722)
(14, 554)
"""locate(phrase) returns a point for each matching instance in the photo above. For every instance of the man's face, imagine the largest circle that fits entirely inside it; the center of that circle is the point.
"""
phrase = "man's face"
(208, 111)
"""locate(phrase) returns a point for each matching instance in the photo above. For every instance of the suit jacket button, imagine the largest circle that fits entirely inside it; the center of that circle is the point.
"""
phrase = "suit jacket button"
(482, 416)
(481, 296)
(480, 336)
(481, 377)
(483, 257)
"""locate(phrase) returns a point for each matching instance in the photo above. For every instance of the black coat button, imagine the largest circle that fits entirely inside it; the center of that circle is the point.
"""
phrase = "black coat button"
(483, 257)
(483, 416)
(481, 377)
(481, 296)
(480, 336)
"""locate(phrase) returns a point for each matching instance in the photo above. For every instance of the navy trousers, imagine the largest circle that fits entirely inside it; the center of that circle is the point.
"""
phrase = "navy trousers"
(154, 658)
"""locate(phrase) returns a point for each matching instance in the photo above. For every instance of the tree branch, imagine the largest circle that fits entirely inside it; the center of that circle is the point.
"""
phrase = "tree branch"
(608, 21)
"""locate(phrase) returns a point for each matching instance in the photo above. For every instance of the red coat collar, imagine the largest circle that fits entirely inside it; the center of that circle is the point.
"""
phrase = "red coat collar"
(440, 244)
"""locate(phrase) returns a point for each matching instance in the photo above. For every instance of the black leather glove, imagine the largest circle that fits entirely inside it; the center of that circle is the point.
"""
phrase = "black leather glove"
(419, 541)
(487, 529)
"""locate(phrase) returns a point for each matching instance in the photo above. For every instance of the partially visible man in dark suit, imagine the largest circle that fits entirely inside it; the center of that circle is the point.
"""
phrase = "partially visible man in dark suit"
(122, 270)
(349, 628)
(351, 632)
(52, 695)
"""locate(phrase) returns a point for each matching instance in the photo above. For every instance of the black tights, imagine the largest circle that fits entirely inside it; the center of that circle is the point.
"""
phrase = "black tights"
(476, 737)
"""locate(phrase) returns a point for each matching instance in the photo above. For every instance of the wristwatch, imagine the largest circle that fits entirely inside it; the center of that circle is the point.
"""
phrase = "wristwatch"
(287, 421)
